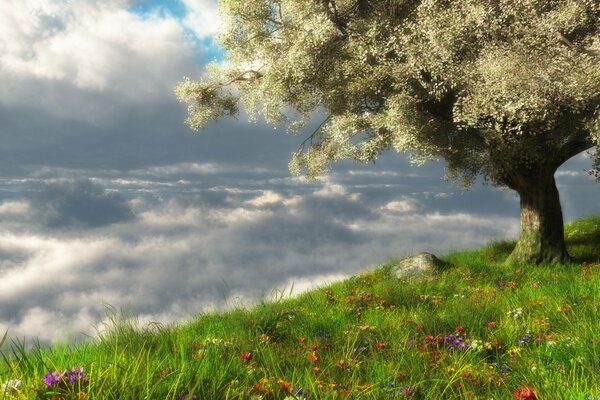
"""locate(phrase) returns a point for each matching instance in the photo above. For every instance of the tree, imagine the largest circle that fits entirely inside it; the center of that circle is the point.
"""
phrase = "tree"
(505, 89)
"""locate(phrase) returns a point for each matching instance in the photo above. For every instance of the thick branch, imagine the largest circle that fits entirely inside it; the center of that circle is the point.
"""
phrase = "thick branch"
(574, 147)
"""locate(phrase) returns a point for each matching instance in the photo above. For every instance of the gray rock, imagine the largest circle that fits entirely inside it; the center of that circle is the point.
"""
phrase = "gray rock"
(418, 265)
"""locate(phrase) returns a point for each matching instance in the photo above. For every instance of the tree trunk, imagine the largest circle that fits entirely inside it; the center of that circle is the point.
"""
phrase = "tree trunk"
(542, 230)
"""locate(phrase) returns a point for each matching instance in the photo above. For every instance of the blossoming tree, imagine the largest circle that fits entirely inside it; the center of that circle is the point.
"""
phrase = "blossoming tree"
(505, 89)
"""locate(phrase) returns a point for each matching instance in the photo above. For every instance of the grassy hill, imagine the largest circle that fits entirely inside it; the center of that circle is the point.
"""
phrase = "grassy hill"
(477, 330)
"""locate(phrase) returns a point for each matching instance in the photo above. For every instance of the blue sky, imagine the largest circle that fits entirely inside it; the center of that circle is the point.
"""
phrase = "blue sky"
(107, 197)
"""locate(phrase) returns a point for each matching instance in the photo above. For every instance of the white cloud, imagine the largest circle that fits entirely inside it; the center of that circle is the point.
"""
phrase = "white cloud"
(203, 17)
(402, 205)
(19, 207)
(268, 197)
(57, 54)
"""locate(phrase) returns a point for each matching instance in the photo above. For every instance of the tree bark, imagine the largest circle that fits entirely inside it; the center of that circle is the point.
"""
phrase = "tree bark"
(542, 230)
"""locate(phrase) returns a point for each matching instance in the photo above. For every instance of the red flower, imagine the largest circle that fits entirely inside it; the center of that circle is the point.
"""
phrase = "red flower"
(524, 393)
(302, 340)
(460, 329)
(313, 357)
(284, 386)
(429, 338)
(491, 324)
(379, 345)
(246, 356)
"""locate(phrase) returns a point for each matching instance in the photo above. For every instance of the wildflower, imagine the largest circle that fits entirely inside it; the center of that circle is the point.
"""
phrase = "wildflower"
(302, 340)
(407, 391)
(75, 375)
(476, 344)
(264, 338)
(316, 370)
(514, 351)
(491, 324)
(525, 338)
(284, 385)
(12, 386)
(313, 357)
(52, 378)
(512, 284)
(459, 329)
(515, 313)
(401, 374)
(379, 345)
(246, 356)
(524, 393)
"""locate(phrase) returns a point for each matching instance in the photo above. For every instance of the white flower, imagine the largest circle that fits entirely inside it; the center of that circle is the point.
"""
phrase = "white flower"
(11, 387)
(516, 312)
(476, 344)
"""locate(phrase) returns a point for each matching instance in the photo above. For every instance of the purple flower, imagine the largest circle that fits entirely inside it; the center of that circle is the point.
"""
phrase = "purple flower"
(51, 378)
(76, 374)
(524, 339)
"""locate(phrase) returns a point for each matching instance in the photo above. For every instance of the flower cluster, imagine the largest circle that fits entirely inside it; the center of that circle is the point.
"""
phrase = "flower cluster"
(516, 313)
(74, 375)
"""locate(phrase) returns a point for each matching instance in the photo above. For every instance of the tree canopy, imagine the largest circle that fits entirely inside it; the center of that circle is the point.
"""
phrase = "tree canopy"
(505, 89)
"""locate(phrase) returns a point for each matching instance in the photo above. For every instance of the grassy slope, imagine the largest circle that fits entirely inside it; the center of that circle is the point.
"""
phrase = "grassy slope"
(371, 337)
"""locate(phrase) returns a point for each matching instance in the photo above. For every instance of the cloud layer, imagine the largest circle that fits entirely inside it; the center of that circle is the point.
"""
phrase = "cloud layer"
(203, 249)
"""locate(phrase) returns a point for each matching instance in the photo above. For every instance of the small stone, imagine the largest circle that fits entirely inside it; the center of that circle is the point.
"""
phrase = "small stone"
(418, 265)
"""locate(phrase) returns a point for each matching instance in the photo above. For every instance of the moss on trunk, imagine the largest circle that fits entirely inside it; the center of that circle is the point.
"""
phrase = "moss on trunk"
(542, 230)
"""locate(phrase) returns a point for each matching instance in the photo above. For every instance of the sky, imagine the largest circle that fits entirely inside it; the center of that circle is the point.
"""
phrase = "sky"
(108, 200)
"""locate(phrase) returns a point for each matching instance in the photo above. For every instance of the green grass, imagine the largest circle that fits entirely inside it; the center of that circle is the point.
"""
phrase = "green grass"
(369, 337)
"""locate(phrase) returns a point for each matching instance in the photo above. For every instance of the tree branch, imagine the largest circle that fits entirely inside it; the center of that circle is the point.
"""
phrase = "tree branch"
(312, 135)
(574, 147)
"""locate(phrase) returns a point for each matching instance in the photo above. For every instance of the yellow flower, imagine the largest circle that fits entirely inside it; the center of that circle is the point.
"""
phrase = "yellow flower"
(514, 351)
(264, 338)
